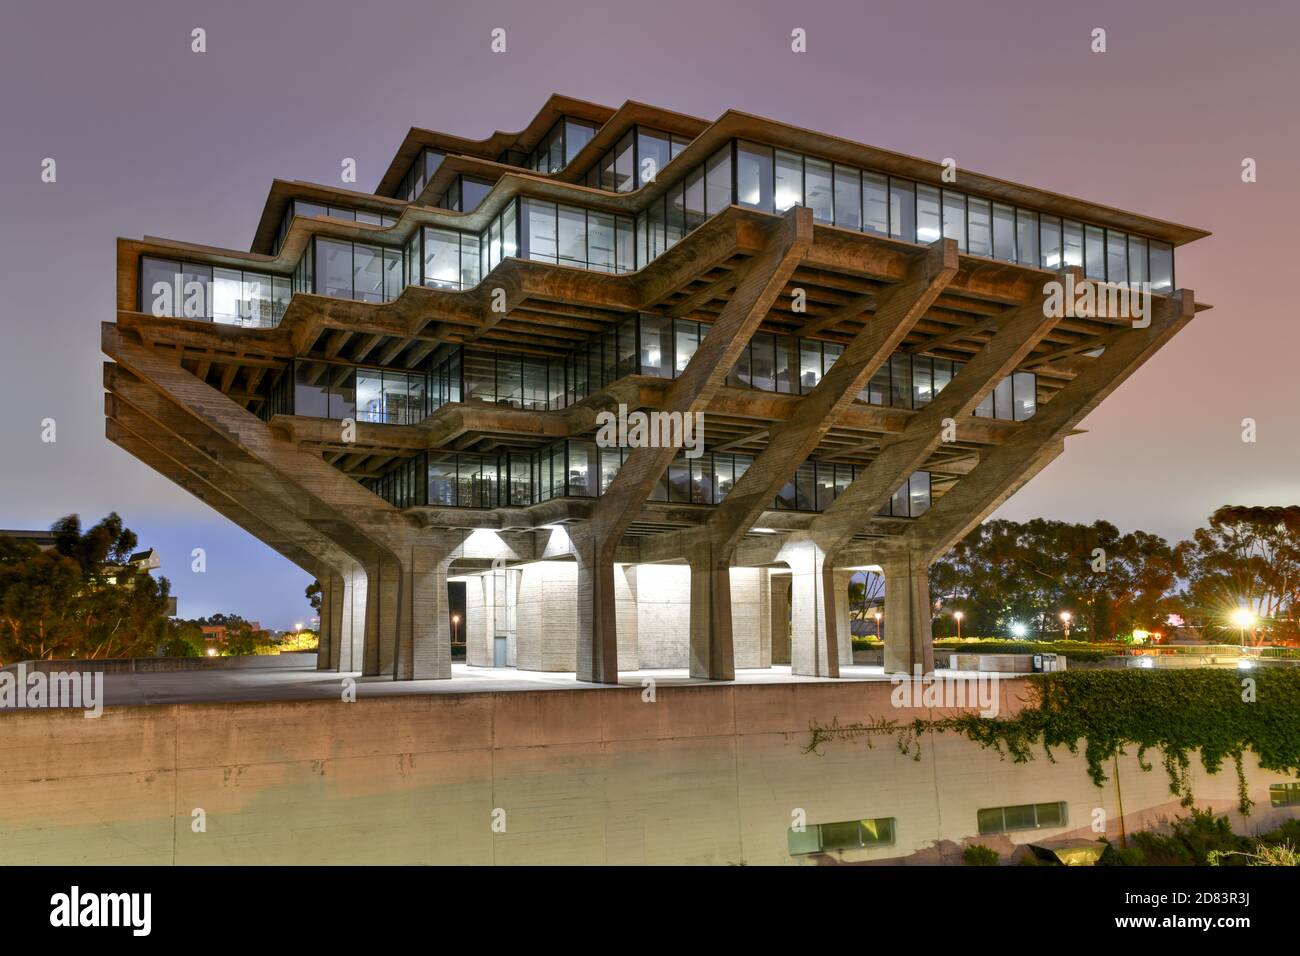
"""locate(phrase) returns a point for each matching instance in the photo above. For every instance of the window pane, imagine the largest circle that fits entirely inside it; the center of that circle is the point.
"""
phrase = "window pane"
(472, 192)
(694, 198)
(1050, 232)
(900, 386)
(717, 192)
(878, 832)
(789, 180)
(754, 176)
(1019, 817)
(441, 258)
(335, 267)
(922, 381)
(470, 260)
(1051, 814)
(1162, 266)
(577, 134)
(227, 295)
(954, 217)
(368, 273)
(1024, 390)
(787, 365)
(840, 836)
(848, 198)
(656, 346)
(1072, 234)
(980, 240)
(902, 209)
(160, 286)
(875, 203)
(809, 841)
(918, 493)
(1027, 237)
(652, 154)
(625, 258)
(1116, 256)
(762, 366)
(623, 171)
(817, 189)
(581, 471)
(369, 396)
(310, 390)
(1094, 253)
(927, 214)
(810, 365)
(539, 230)
(990, 821)
(343, 392)
(573, 234)
(1004, 232)
(688, 340)
(1137, 259)
(1002, 399)
(600, 241)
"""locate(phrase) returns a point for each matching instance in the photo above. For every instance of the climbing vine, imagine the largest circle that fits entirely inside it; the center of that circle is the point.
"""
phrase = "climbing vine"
(1219, 713)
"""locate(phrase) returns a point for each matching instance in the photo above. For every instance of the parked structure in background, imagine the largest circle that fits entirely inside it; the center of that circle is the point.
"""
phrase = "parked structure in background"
(401, 389)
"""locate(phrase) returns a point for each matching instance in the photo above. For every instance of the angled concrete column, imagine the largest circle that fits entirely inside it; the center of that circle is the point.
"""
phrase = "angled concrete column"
(711, 656)
(897, 311)
(764, 279)
(909, 643)
(843, 631)
(383, 604)
(423, 628)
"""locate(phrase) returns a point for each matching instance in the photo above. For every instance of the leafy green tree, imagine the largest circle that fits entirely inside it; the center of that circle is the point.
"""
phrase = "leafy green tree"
(1006, 573)
(314, 596)
(83, 598)
(1248, 557)
(242, 640)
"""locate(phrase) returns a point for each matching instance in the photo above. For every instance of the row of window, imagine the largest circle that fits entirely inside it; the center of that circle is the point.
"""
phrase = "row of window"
(859, 834)
(298, 207)
(575, 468)
(378, 396)
(464, 194)
(772, 180)
(191, 290)
(661, 347)
(635, 160)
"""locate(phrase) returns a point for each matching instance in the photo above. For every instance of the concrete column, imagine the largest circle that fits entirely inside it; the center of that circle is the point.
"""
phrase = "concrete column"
(352, 622)
(423, 631)
(814, 636)
(780, 585)
(908, 640)
(326, 626)
(712, 656)
(383, 580)
(597, 615)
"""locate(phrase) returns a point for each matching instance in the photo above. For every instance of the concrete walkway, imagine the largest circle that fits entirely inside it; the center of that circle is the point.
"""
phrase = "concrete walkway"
(303, 683)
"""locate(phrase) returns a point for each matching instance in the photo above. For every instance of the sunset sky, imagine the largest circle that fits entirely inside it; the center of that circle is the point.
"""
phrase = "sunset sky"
(152, 139)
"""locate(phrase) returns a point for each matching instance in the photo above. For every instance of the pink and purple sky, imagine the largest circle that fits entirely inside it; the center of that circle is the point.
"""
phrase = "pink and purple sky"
(151, 138)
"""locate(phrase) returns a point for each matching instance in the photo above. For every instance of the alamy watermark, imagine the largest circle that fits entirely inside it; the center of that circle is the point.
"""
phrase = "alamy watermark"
(980, 691)
(83, 690)
(1096, 299)
(640, 429)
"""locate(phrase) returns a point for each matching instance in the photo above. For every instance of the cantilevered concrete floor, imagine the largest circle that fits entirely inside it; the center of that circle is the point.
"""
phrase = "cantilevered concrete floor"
(285, 683)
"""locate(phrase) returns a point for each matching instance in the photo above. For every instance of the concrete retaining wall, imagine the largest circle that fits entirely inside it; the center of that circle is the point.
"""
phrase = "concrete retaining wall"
(705, 774)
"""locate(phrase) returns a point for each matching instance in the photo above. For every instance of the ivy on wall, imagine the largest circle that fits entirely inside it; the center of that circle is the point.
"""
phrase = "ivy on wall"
(1220, 713)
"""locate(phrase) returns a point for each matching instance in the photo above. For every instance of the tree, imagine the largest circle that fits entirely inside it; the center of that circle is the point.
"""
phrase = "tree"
(83, 598)
(866, 593)
(1248, 558)
(242, 640)
(1007, 573)
(314, 596)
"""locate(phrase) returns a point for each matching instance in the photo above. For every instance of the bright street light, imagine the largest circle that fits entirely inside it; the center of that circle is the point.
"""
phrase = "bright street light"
(957, 616)
(1065, 620)
(1018, 629)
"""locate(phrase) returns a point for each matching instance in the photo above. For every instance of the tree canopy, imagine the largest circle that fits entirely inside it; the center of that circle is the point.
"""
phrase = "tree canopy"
(82, 598)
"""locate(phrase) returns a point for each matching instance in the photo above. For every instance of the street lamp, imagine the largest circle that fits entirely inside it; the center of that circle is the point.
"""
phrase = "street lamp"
(878, 617)
(455, 620)
(1018, 629)
(1243, 618)
(1065, 621)
(957, 616)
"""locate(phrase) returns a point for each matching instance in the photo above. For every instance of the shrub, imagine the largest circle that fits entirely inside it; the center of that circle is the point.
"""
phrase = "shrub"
(979, 855)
